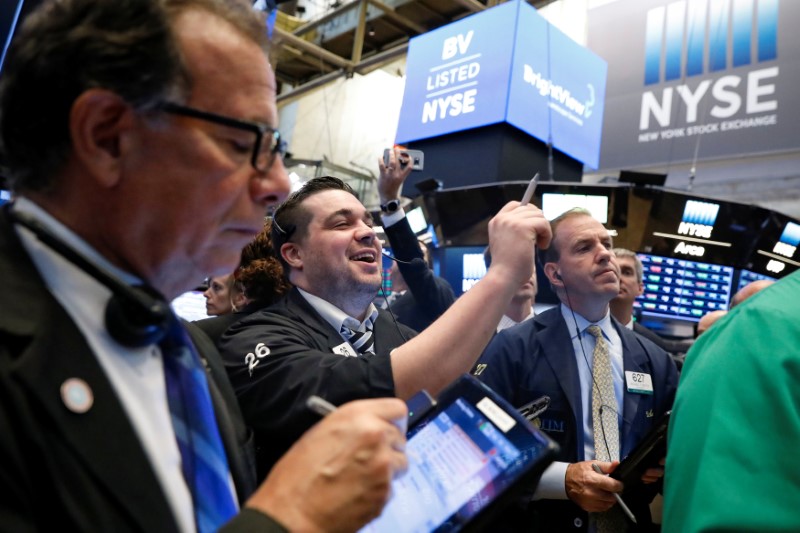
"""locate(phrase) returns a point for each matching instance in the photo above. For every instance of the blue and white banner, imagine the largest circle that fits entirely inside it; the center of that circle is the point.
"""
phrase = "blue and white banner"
(697, 78)
(505, 64)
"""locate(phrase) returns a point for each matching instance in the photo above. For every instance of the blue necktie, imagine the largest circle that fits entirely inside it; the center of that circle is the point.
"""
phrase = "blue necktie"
(205, 465)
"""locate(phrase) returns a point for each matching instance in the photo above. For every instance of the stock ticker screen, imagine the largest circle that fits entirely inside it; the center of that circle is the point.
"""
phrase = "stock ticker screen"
(683, 289)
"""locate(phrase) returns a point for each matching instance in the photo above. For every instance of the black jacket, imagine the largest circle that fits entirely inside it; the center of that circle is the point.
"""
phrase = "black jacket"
(84, 472)
(277, 357)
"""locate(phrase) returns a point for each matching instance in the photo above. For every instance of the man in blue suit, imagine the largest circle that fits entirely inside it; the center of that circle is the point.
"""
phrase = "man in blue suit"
(554, 355)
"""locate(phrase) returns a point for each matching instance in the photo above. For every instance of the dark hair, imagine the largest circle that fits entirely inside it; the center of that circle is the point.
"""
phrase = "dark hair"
(260, 273)
(69, 46)
(291, 219)
(551, 254)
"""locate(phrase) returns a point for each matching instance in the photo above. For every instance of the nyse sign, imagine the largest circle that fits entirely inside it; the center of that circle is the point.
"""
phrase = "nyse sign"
(505, 64)
(698, 79)
(455, 75)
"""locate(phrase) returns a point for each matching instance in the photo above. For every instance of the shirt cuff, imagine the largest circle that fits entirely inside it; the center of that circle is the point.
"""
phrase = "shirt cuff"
(393, 218)
(552, 485)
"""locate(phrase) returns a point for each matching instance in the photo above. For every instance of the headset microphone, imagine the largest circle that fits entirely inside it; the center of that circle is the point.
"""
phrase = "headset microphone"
(415, 261)
(134, 317)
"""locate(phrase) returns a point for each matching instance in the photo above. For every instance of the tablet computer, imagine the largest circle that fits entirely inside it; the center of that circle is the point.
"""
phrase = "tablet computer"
(646, 455)
(471, 454)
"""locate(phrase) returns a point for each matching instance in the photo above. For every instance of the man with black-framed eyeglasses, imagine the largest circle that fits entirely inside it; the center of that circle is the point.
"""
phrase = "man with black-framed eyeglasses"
(112, 418)
(266, 146)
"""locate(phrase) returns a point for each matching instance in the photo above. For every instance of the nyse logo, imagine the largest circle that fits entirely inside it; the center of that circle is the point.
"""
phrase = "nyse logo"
(690, 38)
(790, 238)
(445, 81)
(698, 219)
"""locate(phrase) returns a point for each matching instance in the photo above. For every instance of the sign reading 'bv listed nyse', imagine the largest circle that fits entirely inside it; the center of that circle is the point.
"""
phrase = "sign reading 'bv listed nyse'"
(697, 78)
(505, 64)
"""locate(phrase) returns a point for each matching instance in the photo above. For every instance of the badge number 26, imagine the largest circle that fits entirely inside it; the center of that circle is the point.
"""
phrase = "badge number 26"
(253, 358)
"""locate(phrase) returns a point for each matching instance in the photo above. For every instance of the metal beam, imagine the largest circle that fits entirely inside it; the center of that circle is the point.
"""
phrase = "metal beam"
(392, 15)
(310, 48)
(472, 5)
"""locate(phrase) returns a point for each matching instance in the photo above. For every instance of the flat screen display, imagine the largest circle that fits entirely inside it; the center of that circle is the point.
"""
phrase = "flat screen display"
(554, 204)
(190, 306)
(683, 289)
(463, 267)
(702, 229)
(747, 276)
(417, 221)
(462, 457)
(775, 253)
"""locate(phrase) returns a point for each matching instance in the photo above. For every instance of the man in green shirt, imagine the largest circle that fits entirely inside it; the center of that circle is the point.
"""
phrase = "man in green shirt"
(735, 430)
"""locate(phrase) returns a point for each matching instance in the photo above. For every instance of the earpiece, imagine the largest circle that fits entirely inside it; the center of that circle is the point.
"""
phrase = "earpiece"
(134, 317)
(558, 276)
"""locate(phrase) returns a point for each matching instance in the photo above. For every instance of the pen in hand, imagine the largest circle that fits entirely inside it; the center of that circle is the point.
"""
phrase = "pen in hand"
(626, 510)
(320, 406)
(530, 190)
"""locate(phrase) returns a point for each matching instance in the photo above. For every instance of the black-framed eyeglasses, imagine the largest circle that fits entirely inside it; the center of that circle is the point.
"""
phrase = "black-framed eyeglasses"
(268, 141)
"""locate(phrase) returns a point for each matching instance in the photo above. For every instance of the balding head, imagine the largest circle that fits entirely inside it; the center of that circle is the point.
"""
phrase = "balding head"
(708, 320)
(748, 290)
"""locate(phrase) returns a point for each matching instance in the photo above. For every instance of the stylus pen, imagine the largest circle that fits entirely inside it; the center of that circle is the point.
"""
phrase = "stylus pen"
(621, 503)
(530, 190)
(320, 406)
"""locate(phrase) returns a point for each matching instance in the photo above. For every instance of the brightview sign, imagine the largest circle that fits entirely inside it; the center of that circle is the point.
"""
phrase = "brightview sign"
(505, 64)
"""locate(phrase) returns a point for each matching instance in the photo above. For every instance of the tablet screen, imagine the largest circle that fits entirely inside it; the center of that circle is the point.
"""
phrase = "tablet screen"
(466, 454)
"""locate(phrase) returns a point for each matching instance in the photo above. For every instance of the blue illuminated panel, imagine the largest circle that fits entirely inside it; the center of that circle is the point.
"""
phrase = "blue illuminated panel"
(747, 276)
(505, 64)
(678, 288)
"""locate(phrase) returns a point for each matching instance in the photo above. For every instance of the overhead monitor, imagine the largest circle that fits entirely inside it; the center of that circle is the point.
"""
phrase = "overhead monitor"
(554, 204)
(417, 221)
(462, 267)
(683, 289)
(748, 276)
(190, 305)
(775, 252)
(702, 229)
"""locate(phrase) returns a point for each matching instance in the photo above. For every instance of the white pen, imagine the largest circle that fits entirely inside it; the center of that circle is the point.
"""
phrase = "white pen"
(596, 468)
(319, 405)
(530, 190)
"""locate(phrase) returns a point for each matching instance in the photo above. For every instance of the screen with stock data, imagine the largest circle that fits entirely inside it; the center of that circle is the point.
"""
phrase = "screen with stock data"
(683, 289)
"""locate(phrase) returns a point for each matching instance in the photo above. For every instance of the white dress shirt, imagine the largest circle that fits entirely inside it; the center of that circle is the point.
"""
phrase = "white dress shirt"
(136, 374)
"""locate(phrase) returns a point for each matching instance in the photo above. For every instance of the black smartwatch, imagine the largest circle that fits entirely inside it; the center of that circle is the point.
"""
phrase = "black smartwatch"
(390, 207)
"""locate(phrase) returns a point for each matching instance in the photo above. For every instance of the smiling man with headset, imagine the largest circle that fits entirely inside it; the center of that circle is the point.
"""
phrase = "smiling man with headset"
(589, 365)
(327, 338)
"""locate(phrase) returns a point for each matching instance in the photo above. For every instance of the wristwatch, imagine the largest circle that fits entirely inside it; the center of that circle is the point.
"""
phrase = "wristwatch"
(390, 207)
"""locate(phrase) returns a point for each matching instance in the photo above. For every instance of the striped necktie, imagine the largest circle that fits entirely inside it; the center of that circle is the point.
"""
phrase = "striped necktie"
(203, 459)
(362, 340)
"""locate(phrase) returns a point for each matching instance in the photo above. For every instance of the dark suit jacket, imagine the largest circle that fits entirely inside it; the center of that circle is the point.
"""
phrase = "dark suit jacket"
(428, 295)
(536, 358)
(676, 349)
(277, 357)
(83, 472)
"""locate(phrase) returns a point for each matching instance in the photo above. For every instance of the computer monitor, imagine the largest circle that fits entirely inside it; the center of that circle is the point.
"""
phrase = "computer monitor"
(190, 305)
(748, 276)
(683, 289)
(554, 204)
(463, 267)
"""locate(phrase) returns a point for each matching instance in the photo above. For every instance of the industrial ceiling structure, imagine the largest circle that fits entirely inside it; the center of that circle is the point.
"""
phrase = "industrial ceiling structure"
(356, 37)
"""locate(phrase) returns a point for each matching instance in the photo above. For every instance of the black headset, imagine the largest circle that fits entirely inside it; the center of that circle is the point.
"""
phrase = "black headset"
(135, 316)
